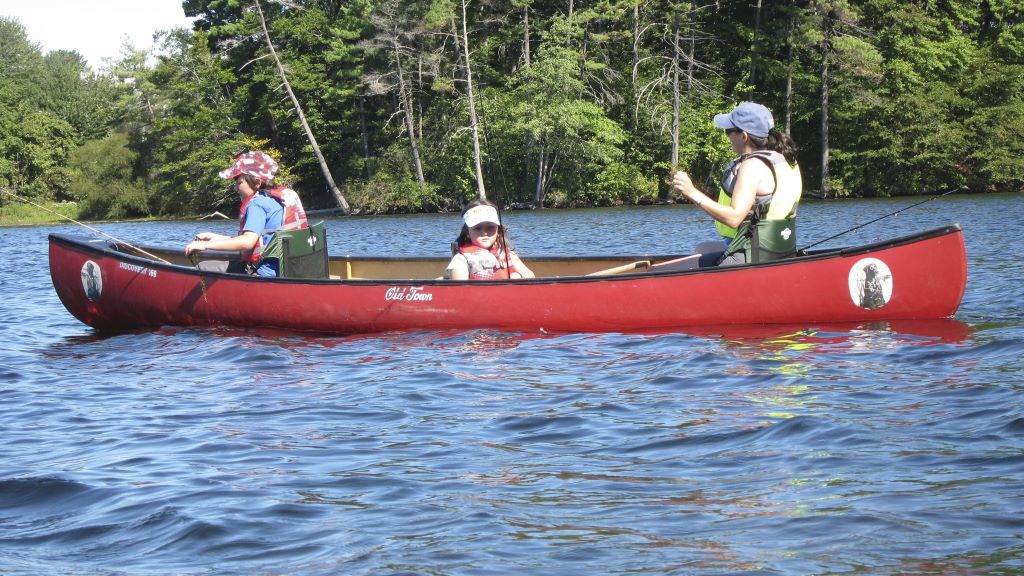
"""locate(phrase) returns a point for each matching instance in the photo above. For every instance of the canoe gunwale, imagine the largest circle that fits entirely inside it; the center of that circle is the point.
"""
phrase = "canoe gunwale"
(917, 276)
(108, 248)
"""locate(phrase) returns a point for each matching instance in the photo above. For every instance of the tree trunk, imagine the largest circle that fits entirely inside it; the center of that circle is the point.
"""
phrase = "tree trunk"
(365, 135)
(338, 196)
(418, 90)
(753, 55)
(550, 164)
(526, 35)
(529, 139)
(473, 124)
(636, 41)
(675, 96)
(825, 49)
(789, 75)
(690, 61)
(539, 193)
(545, 176)
(410, 124)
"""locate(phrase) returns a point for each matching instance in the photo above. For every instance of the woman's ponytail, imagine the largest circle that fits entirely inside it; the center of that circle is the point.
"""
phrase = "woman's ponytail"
(781, 143)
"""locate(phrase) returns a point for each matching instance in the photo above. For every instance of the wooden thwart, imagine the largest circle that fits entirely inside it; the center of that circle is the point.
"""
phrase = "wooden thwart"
(684, 263)
(637, 266)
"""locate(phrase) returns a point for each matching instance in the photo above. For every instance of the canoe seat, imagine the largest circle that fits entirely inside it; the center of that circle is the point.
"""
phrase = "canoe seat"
(638, 266)
(301, 253)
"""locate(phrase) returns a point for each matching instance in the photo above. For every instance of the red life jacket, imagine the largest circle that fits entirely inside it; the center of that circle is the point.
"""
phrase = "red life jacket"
(294, 217)
(487, 264)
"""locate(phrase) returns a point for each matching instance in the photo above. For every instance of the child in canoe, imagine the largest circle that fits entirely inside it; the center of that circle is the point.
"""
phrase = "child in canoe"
(265, 209)
(481, 251)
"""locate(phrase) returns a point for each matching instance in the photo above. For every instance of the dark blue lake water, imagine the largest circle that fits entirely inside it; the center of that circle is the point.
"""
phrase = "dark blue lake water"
(879, 449)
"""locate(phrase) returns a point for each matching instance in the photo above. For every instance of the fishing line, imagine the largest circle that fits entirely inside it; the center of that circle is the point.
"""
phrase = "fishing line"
(87, 227)
(946, 193)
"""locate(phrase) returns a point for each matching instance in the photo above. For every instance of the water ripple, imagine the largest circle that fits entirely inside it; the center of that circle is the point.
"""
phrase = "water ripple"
(888, 448)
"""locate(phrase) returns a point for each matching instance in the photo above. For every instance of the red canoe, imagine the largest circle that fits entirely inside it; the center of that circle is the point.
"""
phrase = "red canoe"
(113, 287)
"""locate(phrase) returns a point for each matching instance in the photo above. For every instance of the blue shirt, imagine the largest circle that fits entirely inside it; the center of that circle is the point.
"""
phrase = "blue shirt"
(263, 216)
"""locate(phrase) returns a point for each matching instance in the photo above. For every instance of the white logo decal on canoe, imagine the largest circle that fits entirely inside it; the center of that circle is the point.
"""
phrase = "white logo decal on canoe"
(786, 233)
(92, 280)
(870, 283)
(408, 294)
(138, 269)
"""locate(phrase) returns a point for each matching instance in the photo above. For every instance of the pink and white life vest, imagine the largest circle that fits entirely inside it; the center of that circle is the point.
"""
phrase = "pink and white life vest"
(294, 217)
(487, 264)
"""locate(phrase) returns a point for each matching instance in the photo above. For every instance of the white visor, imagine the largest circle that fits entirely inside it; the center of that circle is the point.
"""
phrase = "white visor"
(479, 214)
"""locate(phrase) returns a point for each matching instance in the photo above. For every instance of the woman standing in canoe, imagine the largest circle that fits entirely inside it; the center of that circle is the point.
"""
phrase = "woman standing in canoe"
(265, 209)
(760, 190)
(481, 251)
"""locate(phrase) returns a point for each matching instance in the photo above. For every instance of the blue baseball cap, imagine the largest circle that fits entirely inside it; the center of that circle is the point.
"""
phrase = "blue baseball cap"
(752, 118)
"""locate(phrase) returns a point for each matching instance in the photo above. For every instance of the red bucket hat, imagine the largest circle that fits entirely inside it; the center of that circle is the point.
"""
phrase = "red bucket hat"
(257, 164)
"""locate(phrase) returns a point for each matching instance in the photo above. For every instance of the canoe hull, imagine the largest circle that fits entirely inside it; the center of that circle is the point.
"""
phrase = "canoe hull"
(916, 277)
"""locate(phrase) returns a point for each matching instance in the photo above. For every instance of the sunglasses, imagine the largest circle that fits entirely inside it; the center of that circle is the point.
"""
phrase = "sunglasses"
(485, 228)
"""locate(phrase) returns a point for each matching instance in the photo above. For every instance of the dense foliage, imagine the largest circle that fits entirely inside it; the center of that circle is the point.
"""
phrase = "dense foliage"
(577, 102)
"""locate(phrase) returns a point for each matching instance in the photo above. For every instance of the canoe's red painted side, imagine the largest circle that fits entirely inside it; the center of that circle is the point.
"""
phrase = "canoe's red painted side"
(922, 276)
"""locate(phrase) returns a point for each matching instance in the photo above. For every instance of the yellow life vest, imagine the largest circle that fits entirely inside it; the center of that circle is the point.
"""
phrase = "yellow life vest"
(769, 233)
(725, 194)
(724, 229)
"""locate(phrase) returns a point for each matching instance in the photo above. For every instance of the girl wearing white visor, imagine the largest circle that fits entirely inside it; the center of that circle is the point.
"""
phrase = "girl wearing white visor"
(481, 252)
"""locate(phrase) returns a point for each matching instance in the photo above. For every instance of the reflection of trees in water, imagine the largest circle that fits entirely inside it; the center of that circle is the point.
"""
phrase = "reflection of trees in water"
(786, 354)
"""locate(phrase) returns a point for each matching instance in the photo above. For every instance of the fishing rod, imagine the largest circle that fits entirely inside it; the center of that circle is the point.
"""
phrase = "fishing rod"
(501, 227)
(504, 242)
(87, 227)
(709, 182)
(946, 193)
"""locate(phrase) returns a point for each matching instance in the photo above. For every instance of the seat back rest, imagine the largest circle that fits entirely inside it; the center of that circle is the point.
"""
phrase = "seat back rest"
(301, 253)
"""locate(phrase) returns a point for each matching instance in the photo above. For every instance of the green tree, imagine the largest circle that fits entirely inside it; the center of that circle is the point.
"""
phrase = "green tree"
(34, 142)
(103, 179)
(574, 143)
(911, 136)
(397, 27)
(193, 131)
(34, 146)
(20, 66)
(90, 102)
(995, 88)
